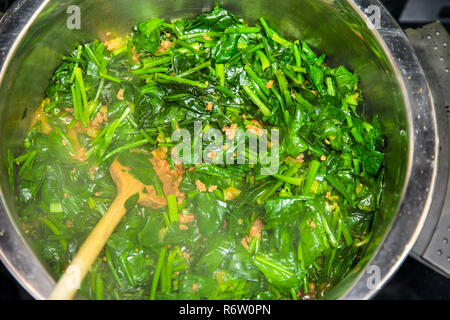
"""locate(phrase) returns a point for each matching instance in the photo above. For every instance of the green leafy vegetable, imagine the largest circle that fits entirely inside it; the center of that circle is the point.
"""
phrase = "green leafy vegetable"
(227, 231)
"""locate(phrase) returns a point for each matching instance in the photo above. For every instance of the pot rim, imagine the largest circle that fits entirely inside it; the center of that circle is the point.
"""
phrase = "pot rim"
(420, 178)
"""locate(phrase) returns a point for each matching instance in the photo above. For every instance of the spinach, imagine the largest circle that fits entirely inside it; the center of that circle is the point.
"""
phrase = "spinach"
(147, 35)
(210, 213)
(228, 232)
(225, 48)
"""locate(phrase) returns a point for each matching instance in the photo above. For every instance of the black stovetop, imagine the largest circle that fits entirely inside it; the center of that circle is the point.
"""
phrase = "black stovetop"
(413, 280)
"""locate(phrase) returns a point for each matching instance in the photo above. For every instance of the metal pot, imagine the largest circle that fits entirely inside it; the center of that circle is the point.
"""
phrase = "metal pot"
(357, 33)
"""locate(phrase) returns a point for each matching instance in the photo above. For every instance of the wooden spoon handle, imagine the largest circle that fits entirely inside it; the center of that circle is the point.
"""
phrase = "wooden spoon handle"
(70, 282)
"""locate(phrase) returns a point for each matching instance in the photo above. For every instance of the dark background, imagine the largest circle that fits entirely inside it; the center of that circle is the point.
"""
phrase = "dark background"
(413, 280)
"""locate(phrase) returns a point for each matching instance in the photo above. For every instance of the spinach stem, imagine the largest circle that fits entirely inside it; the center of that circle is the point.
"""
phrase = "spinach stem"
(270, 32)
(172, 207)
(81, 87)
(124, 266)
(283, 84)
(111, 266)
(76, 100)
(149, 70)
(169, 268)
(293, 294)
(125, 147)
(330, 87)
(241, 30)
(28, 158)
(55, 230)
(99, 90)
(92, 56)
(263, 260)
(160, 76)
(226, 91)
(66, 140)
(265, 63)
(262, 107)
(110, 77)
(265, 195)
(163, 280)
(99, 287)
(159, 264)
(312, 172)
(194, 69)
(77, 60)
(281, 41)
(324, 221)
(249, 49)
(220, 73)
(252, 74)
(297, 181)
(156, 62)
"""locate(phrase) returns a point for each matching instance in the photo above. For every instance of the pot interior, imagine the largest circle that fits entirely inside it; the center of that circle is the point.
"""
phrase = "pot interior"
(331, 27)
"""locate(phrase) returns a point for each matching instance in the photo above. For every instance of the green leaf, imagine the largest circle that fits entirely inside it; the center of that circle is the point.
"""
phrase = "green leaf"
(225, 48)
(146, 36)
(346, 81)
(278, 273)
(209, 212)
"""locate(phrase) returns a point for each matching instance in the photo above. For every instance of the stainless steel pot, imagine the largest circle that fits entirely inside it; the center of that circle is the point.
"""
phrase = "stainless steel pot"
(357, 33)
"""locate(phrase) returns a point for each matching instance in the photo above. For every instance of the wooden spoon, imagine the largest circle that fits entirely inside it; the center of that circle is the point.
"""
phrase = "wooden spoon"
(127, 186)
